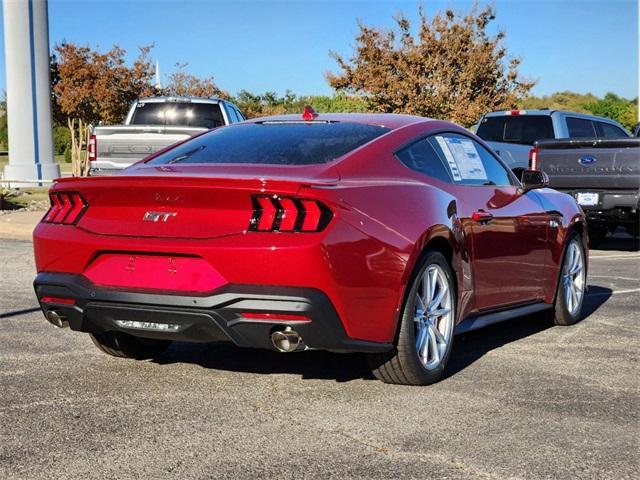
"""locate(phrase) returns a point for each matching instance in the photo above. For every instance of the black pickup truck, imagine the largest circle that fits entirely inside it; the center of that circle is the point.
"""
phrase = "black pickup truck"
(602, 175)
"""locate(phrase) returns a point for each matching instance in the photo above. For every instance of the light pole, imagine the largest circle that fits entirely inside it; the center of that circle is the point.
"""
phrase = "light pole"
(26, 44)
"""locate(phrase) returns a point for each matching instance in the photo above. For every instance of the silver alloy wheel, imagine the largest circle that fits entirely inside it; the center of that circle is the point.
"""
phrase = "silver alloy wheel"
(433, 317)
(573, 278)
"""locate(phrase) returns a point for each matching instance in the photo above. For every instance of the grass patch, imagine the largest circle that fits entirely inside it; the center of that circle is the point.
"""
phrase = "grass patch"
(16, 198)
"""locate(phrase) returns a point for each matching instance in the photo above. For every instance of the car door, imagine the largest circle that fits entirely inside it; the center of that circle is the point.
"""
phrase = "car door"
(508, 228)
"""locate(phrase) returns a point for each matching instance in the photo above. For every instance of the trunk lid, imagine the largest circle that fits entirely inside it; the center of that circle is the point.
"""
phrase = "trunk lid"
(187, 201)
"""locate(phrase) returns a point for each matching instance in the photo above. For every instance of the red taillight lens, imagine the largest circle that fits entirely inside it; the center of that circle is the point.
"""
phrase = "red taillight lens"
(274, 213)
(66, 208)
(92, 148)
(533, 158)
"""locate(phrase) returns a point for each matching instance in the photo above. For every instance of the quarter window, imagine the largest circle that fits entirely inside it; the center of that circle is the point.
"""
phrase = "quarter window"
(421, 157)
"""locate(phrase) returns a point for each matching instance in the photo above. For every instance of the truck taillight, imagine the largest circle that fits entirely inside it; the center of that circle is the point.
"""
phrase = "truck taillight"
(533, 158)
(66, 208)
(92, 148)
(275, 213)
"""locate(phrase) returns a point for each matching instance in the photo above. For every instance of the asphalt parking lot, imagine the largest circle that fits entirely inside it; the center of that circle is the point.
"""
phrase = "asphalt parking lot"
(524, 399)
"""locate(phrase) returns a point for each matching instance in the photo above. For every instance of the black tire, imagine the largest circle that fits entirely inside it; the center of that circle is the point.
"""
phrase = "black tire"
(562, 314)
(402, 365)
(122, 345)
(597, 234)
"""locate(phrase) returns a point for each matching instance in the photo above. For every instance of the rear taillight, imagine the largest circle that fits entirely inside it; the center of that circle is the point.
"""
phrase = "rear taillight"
(92, 148)
(66, 208)
(275, 213)
(533, 158)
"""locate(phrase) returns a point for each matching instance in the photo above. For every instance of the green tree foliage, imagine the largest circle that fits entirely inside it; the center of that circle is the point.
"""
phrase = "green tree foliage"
(611, 106)
(4, 133)
(270, 103)
(61, 139)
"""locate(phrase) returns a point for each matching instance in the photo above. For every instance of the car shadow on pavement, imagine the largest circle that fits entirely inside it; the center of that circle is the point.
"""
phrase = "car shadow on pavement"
(620, 241)
(319, 365)
(342, 367)
(471, 346)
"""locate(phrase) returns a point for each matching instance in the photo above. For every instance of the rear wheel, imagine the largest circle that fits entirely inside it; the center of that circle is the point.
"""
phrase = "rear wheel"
(573, 281)
(122, 345)
(425, 335)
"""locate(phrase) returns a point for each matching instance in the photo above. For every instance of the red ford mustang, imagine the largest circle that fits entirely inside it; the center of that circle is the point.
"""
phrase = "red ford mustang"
(383, 234)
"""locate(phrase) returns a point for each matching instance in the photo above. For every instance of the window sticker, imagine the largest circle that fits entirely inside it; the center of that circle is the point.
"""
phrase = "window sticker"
(463, 158)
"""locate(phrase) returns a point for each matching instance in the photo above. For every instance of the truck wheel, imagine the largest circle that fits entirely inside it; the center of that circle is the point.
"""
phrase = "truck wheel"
(597, 234)
(572, 284)
(122, 345)
(425, 335)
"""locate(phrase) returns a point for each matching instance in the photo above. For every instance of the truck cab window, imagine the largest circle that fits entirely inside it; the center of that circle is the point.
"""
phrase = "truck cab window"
(580, 128)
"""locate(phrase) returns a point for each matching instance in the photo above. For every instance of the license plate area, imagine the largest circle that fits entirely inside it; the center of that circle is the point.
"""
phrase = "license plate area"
(587, 199)
(162, 273)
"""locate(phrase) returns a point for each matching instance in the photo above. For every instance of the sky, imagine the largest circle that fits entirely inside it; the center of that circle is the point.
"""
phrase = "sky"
(577, 45)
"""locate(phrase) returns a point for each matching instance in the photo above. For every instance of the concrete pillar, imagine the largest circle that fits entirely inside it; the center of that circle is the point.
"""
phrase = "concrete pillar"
(26, 44)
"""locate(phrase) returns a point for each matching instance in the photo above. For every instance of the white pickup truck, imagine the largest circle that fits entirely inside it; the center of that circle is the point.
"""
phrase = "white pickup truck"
(153, 124)
(512, 133)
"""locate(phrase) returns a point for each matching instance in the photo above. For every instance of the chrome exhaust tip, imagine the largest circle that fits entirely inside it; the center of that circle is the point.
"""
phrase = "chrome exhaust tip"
(286, 340)
(56, 319)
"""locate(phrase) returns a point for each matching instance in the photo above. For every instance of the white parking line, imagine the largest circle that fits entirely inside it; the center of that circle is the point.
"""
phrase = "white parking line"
(593, 257)
(615, 292)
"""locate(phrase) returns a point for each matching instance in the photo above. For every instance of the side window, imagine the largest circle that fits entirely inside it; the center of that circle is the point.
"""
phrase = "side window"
(421, 157)
(606, 130)
(469, 163)
(580, 128)
(231, 112)
(239, 115)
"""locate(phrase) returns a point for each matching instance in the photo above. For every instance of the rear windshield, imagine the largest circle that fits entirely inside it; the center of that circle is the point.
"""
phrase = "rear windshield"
(185, 114)
(273, 143)
(522, 129)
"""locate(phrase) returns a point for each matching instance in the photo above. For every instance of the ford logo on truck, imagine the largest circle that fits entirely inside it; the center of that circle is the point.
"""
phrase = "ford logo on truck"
(587, 160)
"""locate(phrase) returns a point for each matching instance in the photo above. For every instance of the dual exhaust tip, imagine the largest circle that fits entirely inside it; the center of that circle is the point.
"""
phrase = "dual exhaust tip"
(287, 340)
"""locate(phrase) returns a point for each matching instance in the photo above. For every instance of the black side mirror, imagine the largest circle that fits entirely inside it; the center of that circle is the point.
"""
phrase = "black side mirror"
(532, 179)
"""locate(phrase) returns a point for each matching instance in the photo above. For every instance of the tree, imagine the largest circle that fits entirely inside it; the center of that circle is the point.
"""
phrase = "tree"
(4, 129)
(575, 102)
(269, 103)
(611, 106)
(452, 68)
(184, 84)
(91, 86)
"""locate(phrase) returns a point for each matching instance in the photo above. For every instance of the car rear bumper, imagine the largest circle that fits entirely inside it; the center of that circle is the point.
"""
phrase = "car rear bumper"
(229, 314)
(622, 206)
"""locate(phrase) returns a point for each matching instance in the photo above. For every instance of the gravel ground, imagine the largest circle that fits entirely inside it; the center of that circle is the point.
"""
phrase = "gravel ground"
(523, 399)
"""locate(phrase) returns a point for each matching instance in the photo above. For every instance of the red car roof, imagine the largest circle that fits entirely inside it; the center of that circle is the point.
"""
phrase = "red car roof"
(388, 120)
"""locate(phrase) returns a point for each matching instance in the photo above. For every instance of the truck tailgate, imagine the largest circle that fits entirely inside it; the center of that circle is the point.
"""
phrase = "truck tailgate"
(589, 163)
(119, 146)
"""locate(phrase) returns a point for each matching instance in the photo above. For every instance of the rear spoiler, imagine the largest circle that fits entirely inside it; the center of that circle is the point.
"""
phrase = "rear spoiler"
(588, 143)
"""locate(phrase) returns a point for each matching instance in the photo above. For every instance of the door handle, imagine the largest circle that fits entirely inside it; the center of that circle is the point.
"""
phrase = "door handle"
(482, 216)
